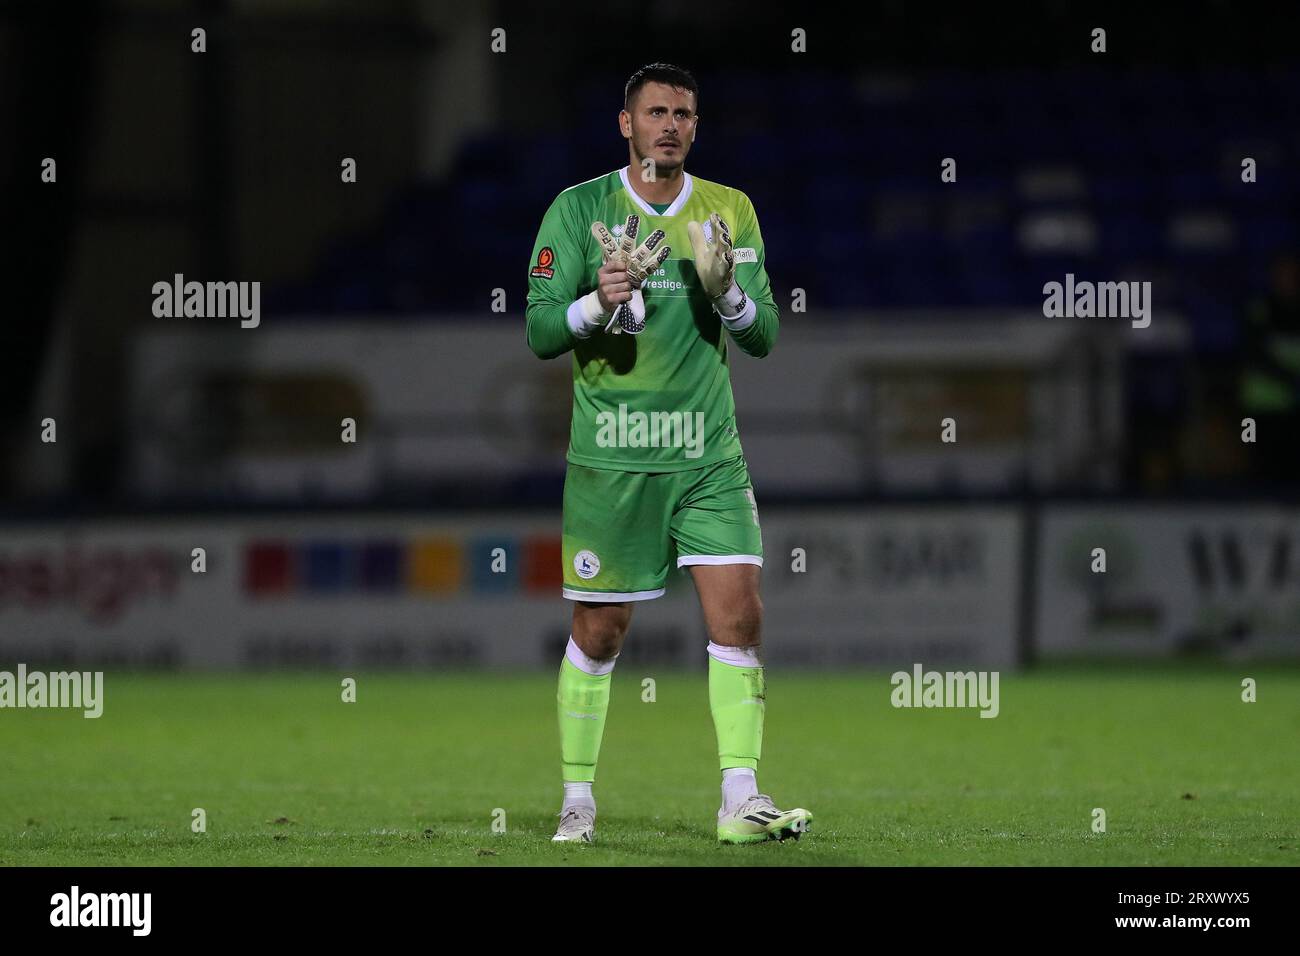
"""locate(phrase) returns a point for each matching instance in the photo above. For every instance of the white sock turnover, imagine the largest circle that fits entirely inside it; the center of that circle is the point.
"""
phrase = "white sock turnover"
(738, 785)
(577, 795)
(587, 664)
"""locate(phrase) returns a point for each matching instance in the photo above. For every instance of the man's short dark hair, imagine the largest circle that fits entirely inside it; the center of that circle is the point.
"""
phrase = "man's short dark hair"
(666, 73)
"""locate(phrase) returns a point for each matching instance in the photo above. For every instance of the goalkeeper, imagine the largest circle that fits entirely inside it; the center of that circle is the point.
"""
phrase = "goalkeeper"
(644, 276)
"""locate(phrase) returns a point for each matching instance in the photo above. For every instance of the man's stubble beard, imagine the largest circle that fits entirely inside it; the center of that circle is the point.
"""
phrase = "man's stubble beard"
(660, 167)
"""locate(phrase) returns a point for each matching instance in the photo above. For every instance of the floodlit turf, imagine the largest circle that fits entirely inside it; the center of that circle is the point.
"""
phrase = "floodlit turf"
(414, 772)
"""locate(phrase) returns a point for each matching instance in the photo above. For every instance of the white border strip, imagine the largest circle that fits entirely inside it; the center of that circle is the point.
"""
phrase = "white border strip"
(686, 559)
(688, 186)
(610, 597)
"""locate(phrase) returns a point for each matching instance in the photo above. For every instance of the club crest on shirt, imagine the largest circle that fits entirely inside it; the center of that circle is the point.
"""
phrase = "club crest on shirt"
(586, 564)
(545, 268)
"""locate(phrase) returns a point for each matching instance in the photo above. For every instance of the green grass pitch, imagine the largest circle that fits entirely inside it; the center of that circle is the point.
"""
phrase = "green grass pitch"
(413, 772)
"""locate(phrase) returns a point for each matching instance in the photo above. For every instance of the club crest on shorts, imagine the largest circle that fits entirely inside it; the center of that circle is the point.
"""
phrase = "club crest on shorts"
(586, 564)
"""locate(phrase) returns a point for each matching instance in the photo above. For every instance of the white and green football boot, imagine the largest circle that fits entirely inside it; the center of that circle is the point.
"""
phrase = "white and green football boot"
(758, 819)
(577, 824)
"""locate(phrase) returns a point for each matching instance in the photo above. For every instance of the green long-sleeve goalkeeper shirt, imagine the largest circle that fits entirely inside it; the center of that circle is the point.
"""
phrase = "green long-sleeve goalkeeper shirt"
(632, 395)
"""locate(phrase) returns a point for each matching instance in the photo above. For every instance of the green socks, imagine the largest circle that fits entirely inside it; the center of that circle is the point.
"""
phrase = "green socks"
(581, 702)
(737, 694)
(736, 697)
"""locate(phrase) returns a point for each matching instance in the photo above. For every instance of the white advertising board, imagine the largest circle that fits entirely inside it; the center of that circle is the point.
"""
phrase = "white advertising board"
(884, 588)
(1177, 579)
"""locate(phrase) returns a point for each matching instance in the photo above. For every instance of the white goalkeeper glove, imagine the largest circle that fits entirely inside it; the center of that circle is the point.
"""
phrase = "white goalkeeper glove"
(640, 262)
(715, 264)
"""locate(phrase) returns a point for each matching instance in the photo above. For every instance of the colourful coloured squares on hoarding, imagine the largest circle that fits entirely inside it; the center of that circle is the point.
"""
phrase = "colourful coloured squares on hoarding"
(542, 564)
(328, 566)
(434, 565)
(380, 566)
(494, 564)
(268, 568)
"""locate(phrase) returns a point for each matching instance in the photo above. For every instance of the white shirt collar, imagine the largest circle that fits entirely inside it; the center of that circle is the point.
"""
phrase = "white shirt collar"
(672, 210)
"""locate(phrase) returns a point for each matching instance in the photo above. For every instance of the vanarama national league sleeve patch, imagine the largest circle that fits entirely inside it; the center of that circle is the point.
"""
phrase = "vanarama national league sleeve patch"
(545, 268)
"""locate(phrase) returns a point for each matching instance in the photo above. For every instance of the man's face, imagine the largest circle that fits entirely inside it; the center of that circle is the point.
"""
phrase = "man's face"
(661, 125)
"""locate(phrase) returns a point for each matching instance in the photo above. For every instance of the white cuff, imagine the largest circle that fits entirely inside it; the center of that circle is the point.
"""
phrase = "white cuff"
(588, 665)
(735, 656)
(585, 315)
(729, 309)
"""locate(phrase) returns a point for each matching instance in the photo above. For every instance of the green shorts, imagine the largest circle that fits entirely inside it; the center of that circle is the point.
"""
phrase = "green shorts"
(621, 527)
